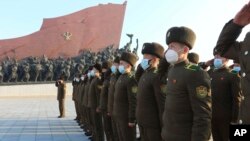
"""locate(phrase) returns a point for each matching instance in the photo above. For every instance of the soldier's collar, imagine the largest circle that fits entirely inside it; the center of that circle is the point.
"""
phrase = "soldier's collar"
(183, 63)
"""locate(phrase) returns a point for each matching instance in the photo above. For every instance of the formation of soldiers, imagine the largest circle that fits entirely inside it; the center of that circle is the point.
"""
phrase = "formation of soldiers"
(170, 95)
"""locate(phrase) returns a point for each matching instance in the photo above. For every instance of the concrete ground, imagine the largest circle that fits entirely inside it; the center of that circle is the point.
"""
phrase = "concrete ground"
(35, 119)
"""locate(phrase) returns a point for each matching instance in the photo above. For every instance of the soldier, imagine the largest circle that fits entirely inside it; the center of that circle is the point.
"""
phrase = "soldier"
(226, 95)
(187, 113)
(89, 124)
(93, 101)
(104, 100)
(75, 84)
(111, 90)
(80, 100)
(125, 98)
(228, 47)
(151, 96)
(61, 93)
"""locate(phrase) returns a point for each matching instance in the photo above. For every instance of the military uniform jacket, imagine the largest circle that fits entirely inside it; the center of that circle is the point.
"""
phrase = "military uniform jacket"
(104, 95)
(82, 86)
(111, 92)
(228, 47)
(74, 94)
(86, 89)
(125, 98)
(61, 91)
(94, 92)
(150, 99)
(226, 95)
(187, 113)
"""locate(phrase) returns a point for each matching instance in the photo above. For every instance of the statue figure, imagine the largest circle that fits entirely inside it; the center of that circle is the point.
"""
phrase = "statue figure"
(38, 70)
(49, 72)
(26, 74)
(1, 74)
(128, 45)
(13, 74)
(136, 48)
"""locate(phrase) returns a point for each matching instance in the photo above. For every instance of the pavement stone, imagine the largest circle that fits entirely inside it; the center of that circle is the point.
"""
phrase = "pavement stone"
(35, 119)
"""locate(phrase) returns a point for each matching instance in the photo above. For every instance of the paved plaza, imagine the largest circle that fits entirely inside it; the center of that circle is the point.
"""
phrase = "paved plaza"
(35, 119)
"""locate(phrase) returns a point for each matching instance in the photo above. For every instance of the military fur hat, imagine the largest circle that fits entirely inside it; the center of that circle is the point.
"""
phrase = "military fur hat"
(129, 57)
(106, 64)
(98, 67)
(193, 57)
(153, 49)
(182, 35)
(117, 59)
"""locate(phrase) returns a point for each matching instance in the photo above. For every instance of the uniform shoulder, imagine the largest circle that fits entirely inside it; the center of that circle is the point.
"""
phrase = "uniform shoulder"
(192, 67)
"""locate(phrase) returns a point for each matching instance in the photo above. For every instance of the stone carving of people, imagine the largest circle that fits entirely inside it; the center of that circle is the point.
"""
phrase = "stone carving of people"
(49, 72)
(26, 74)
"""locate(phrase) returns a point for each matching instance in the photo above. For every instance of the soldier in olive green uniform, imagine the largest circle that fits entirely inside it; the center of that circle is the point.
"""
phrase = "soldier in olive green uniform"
(75, 84)
(89, 123)
(94, 100)
(228, 47)
(111, 90)
(187, 113)
(61, 93)
(226, 95)
(151, 96)
(125, 99)
(80, 97)
(104, 100)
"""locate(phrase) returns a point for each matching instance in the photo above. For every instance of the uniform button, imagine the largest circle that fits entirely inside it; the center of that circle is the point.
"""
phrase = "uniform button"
(246, 52)
(240, 121)
(243, 74)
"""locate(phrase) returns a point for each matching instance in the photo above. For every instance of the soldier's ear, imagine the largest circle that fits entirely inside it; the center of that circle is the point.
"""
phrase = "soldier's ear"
(186, 49)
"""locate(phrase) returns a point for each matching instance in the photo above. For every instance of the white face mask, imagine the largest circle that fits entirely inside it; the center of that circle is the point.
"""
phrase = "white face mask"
(171, 56)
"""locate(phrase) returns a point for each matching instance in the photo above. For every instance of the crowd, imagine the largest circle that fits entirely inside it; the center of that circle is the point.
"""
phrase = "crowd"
(170, 95)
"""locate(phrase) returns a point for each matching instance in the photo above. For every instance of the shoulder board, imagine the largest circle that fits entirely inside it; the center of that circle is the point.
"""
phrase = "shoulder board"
(131, 75)
(192, 67)
(155, 71)
(234, 72)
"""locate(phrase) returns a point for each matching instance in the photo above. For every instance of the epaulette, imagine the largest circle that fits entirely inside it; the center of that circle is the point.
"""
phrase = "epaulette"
(192, 67)
(155, 71)
(234, 72)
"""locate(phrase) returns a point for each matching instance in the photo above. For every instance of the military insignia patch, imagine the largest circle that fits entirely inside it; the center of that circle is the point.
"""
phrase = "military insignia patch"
(201, 91)
(134, 89)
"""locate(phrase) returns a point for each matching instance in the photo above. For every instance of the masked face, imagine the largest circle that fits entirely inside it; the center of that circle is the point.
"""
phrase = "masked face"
(218, 63)
(113, 69)
(236, 68)
(92, 73)
(145, 64)
(77, 79)
(89, 74)
(82, 78)
(171, 56)
(121, 69)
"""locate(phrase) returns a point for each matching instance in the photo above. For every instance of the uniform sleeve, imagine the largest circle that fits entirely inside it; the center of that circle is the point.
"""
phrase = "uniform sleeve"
(200, 98)
(131, 92)
(227, 46)
(236, 97)
(104, 92)
(160, 95)
(64, 90)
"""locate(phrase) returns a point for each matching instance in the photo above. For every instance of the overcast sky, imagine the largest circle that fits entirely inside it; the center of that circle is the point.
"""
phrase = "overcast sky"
(148, 20)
